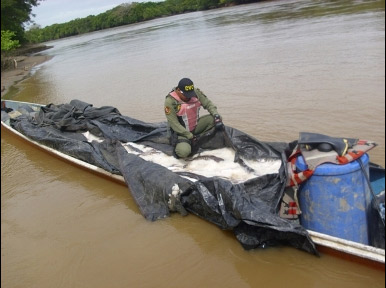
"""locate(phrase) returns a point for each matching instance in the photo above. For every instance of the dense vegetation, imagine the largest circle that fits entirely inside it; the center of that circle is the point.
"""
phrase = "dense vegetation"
(122, 15)
(14, 14)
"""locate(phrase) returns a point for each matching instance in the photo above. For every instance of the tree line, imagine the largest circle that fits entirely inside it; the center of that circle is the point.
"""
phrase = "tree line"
(123, 14)
(16, 13)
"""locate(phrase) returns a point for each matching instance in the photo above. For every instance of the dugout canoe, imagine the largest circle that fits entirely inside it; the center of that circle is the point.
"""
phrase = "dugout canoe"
(326, 244)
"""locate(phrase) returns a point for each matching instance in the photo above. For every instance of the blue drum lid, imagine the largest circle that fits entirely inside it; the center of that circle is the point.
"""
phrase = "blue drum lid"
(333, 169)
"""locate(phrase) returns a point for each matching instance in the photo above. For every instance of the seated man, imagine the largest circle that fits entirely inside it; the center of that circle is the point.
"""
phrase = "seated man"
(182, 107)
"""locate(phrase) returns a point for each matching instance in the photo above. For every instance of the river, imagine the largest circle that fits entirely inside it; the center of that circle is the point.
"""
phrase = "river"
(274, 69)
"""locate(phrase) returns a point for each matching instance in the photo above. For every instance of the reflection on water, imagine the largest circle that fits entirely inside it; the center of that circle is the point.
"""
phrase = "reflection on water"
(274, 69)
(294, 10)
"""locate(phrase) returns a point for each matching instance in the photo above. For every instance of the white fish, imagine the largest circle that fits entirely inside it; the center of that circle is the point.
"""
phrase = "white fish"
(207, 163)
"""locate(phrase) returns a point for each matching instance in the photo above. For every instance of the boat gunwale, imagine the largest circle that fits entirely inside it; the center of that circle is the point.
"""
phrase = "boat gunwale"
(61, 155)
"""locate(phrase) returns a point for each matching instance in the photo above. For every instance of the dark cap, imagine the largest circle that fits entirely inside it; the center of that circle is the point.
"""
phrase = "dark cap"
(187, 88)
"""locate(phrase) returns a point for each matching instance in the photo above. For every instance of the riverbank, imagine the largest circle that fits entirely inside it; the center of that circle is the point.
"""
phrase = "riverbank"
(21, 64)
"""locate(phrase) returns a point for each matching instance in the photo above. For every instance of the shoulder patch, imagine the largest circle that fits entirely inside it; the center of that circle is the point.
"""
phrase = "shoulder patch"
(167, 110)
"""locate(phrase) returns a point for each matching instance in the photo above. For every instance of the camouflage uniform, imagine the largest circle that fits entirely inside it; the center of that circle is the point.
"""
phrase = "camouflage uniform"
(178, 130)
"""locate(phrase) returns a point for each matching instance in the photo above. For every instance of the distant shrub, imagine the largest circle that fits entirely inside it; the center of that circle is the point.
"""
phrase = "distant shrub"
(7, 43)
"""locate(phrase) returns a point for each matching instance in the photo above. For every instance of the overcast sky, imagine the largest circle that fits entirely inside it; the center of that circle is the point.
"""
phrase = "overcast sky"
(49, 12)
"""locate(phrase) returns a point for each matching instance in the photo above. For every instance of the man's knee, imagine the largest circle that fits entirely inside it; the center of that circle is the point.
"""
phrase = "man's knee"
(183, 149)
(205, 123)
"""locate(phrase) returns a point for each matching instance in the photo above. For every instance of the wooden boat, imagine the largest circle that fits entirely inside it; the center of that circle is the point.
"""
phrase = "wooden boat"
(368, 255)
(74, 161)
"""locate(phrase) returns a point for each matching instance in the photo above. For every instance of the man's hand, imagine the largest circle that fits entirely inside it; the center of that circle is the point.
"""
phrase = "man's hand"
(194, 140)
(218, 122)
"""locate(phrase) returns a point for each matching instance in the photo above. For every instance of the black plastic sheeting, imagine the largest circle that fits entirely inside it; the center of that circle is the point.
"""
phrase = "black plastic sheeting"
(376, 220)
(250, 209)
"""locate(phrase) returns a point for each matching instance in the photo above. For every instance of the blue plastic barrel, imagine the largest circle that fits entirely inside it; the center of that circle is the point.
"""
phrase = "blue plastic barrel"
(335, 200)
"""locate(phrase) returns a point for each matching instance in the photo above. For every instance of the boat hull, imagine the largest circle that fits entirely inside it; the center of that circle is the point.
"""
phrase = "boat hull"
(352, 251)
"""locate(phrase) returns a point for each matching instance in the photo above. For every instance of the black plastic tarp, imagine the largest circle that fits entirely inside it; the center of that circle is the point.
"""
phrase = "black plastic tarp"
(250, 209)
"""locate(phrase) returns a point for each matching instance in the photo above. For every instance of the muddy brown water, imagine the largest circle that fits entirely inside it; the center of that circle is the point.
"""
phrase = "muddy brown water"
(274, 69)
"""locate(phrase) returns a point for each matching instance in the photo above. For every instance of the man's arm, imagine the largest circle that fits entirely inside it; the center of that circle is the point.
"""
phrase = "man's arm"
(206, 103)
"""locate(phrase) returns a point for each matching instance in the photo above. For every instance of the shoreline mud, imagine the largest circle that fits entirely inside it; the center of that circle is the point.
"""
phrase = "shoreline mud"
(21, 69)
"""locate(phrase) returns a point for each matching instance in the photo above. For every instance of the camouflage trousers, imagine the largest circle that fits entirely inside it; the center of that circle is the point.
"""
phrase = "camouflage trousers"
(183, 147)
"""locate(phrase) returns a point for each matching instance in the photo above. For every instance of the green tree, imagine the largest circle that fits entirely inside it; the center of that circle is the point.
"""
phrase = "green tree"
(124, 14)
(16, 13)
(7, 43)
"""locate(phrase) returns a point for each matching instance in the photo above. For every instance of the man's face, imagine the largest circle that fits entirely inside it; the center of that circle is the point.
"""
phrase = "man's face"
(182, 96)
